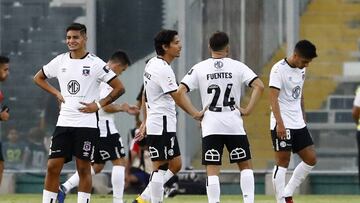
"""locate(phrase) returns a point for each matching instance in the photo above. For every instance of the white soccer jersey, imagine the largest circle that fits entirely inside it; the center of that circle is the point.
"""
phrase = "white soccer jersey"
(220, 83)
(357, 97)
(79, 81)
(289, 80)
(159, 80)
(106, 120)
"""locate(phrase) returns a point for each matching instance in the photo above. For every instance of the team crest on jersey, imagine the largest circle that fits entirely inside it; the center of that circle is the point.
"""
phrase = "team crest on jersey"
(218, 64)
(86, 70)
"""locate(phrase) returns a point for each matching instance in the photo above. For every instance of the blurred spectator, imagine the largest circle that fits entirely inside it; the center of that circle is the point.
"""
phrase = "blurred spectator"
(14, 150)
(36, 153)
(356, 116)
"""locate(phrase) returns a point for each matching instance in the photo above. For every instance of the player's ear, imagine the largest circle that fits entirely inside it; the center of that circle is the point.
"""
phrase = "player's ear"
(165, 47)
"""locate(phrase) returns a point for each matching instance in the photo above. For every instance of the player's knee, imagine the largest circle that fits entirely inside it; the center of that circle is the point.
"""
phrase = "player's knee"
(175, 166)
(53, 169)
(311, 161)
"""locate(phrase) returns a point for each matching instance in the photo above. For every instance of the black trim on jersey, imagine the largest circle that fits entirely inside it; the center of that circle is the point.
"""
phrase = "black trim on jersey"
(275, 87)
(187, 87)
(107, 128)
(111, 79)
(164, 124)
(87, 53)
(97, 119)
(170, 91)
(289, 63)
(276, 170)
(42, 70)
(252, 80)
(159, 57)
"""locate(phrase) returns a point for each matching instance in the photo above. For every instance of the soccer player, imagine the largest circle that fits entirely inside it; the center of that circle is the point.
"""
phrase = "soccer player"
(287, 120)
(160, 121)
(109, 146)
(79, 74)
(356, 117)
(4, 113)
(220, 81)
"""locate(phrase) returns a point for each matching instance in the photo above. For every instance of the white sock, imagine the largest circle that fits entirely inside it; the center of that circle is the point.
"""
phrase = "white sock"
(213, 189)
(157, 187)
(247, 185)
(145, 195)
(118, 182)
(300, 173)
(83, 197)
(74, 180)
(278, 180)
(49, 197)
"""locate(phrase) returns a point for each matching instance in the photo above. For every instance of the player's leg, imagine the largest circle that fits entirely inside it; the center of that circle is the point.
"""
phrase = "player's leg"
(83, 150)
(60, 152)
(282, 154)
(303, 145)
(1, 163)
(157, 183)
(239, 152)
(212, 149)
(51, 183)
(118, 179)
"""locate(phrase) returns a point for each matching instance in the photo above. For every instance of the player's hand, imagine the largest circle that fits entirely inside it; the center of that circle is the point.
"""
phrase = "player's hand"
(281, 131)
(141, 133)
(60, 98)
(243, 111)
(131, 109)
(88, 107)
(200, 115)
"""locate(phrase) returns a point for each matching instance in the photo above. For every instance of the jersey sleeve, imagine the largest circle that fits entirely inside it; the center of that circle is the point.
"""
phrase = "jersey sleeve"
(357, 97)
(275, 78)
(105, 74)
(167, 81)
(105, 89)
(190, 80)
(50, 70)
(248, 76)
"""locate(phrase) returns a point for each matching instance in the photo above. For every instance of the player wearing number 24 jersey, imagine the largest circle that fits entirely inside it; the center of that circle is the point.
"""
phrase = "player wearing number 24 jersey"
(220, 81)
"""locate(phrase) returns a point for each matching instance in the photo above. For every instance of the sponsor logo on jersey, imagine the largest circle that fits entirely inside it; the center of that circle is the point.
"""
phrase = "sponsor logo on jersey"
(171, 152)
(190, 71)
(147, 75)
(296, 91)
(282, 144)
(73, 87)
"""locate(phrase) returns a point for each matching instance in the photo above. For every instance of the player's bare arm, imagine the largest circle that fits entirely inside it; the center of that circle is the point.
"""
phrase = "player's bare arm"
(274, 102)
(302, 103)
(257, 89)
(142, 129)
(124, 107)
(118, 90)
(183, 101)
(356, 114)
(40, 80)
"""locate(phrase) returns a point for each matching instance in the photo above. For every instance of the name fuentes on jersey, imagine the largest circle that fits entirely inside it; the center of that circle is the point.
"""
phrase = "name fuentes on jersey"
(220, 75)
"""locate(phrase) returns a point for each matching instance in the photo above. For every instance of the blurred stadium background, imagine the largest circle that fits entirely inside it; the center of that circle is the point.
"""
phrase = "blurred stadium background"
(262, 32)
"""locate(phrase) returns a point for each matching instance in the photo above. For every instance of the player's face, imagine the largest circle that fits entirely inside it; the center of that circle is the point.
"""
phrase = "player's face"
(75, 40)
(302, 62)
(174, 47)
(4, 71)
(117, 67)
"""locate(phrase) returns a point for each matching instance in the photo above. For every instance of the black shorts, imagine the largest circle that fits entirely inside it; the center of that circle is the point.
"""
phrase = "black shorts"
(163, 147)
(296, 140)
(213, 145)
(72, 141)
(107, 148)
(1, 155)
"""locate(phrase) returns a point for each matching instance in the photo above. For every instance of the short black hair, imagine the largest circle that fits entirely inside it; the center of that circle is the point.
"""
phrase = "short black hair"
(77, 26)
(164, 37)
(4, 60)
(218, 41)
(121, 57)
(305, 49)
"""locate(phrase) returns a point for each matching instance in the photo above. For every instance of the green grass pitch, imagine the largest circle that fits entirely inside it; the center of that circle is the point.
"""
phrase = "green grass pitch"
(37, 198)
